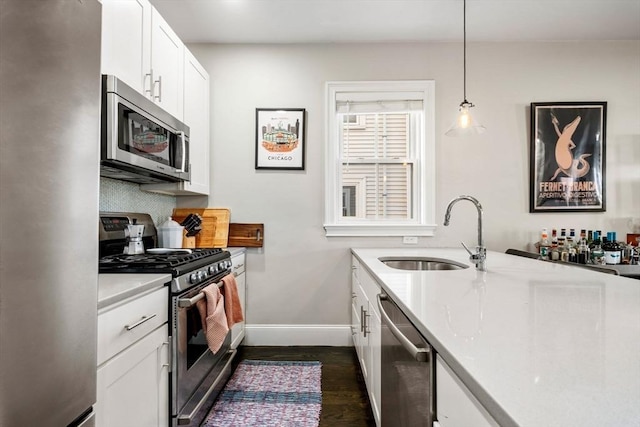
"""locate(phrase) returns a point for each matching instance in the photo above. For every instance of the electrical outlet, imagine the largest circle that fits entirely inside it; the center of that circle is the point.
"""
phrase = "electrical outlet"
(410, 240)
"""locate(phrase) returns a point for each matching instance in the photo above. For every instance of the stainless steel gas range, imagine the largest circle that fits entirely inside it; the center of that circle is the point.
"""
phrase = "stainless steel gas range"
(197, 375)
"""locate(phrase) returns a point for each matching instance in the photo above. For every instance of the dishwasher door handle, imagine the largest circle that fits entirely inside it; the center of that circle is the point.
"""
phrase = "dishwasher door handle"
(419, 354)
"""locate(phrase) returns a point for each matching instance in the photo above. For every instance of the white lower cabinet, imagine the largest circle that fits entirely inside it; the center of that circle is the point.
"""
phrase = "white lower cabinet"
(375, 361)
(133, 362)
(238, 264)
(456, 406)
(133, 386)
(366, 329)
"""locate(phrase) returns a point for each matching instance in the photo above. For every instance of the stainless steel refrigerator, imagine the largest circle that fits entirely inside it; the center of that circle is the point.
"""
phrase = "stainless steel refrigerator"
(49, 186)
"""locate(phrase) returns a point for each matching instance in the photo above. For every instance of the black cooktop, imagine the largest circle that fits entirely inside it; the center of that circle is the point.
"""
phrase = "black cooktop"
(174, 263)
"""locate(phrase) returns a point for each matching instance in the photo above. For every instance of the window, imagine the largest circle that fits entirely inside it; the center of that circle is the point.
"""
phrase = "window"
(380, 168)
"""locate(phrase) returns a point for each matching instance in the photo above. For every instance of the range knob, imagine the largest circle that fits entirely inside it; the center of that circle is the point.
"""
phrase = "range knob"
(193, 278)
(213, 269)
(201, 275)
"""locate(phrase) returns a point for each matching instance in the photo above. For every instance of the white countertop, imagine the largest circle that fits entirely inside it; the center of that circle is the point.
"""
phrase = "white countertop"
(113, 288)
(539, 344)
(235, 250)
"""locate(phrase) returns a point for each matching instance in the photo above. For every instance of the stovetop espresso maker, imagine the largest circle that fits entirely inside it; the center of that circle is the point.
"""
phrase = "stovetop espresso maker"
(133, 235)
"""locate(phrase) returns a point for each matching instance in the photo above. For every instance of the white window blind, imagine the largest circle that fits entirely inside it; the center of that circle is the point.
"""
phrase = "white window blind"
(380, 151)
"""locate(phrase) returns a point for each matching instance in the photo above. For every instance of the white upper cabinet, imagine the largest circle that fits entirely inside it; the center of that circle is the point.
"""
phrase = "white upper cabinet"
(196, 116)
(167, 66)
(126, 42)
(140, 48)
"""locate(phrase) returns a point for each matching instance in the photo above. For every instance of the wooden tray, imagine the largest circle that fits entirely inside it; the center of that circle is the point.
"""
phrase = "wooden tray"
(247, 235)
(215, 225)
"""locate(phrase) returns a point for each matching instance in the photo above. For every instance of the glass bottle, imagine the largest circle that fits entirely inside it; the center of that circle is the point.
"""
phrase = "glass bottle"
(562, 249)
(596, 239)
(611, 249)
(544, 244)
(554, 255)
(583, 248)
(597, 254)
(572, 246)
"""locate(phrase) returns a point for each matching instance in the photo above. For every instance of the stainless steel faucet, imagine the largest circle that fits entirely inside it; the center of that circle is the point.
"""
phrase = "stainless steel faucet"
(480, 256)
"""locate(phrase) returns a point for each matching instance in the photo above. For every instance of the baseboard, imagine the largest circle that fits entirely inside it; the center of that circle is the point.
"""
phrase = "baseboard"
(288, 335)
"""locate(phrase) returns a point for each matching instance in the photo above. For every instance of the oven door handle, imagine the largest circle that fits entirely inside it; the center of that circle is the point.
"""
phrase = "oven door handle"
(190, 302)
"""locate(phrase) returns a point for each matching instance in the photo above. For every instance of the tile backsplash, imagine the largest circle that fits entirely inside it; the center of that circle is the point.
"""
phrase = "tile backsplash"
(122, 196)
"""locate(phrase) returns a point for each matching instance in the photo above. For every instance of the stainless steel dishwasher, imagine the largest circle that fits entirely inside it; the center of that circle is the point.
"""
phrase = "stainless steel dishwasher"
(408, 371)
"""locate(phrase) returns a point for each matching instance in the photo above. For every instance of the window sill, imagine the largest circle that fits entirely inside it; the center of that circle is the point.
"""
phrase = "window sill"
(378, 230)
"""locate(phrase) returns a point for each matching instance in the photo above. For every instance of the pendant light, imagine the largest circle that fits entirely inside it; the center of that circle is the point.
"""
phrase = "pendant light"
(465, 123)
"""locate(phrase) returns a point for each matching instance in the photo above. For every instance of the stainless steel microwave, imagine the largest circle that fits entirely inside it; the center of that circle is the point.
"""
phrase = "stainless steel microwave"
(140, 142)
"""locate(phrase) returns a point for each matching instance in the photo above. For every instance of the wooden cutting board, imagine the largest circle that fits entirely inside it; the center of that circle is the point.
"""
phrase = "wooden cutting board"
(215, 225)
(247, 235)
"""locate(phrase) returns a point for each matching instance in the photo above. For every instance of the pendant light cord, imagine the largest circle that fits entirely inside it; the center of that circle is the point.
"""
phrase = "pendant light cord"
(464, 52)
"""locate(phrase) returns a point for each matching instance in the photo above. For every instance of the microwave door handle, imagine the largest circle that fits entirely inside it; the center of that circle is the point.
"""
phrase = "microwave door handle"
(184, 151)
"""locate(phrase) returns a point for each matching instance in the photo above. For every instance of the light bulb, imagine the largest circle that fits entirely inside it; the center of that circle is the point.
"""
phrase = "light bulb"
(463, 119)
(464, 123)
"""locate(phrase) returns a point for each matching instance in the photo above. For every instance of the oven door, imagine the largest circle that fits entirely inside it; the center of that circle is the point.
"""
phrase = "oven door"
(198, 375)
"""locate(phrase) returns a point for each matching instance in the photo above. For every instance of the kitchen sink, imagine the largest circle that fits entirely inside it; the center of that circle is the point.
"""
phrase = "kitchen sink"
(422, 263)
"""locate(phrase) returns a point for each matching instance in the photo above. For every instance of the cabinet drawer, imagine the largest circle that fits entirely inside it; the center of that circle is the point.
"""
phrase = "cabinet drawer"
(123, 324)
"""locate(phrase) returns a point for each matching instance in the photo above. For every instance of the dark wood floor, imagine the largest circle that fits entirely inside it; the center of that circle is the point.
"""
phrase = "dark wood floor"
(344, 396)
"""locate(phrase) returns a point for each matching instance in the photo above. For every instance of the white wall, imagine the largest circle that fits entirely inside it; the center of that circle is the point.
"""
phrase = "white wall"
(301, 277)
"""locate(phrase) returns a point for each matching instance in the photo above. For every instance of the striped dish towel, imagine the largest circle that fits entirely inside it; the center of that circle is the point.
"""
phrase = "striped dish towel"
(214, 319)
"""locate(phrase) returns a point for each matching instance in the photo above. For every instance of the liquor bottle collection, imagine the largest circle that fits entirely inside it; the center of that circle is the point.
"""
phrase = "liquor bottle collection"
(589, 247)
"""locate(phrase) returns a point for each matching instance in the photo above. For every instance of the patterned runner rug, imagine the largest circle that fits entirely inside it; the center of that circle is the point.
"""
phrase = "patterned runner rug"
(269, 394)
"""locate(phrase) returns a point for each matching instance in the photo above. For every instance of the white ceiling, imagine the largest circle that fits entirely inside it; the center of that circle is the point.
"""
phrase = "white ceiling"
(321, 21)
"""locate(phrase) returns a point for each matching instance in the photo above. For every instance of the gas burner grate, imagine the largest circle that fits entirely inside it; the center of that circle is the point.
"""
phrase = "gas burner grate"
(142, 263)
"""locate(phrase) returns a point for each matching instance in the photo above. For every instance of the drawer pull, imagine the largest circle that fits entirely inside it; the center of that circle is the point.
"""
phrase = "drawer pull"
(139, 322)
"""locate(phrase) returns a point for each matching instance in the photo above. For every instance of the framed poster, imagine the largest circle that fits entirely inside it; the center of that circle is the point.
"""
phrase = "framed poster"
(280, 138)
(567, 157)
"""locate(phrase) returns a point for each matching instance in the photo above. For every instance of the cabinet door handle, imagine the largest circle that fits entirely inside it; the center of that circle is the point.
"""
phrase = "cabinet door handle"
(139, 322)
(159, 96)
(150, 76)
(168, 364)
(361, 318)
(366, 323)
(419, 354)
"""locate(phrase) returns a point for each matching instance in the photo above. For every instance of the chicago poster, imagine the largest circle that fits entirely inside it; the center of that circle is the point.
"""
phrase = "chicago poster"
(567, 162)
(280, 138)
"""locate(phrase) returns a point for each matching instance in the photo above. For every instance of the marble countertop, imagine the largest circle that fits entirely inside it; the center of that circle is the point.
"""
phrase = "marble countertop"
(113, 288)
(538, 344)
